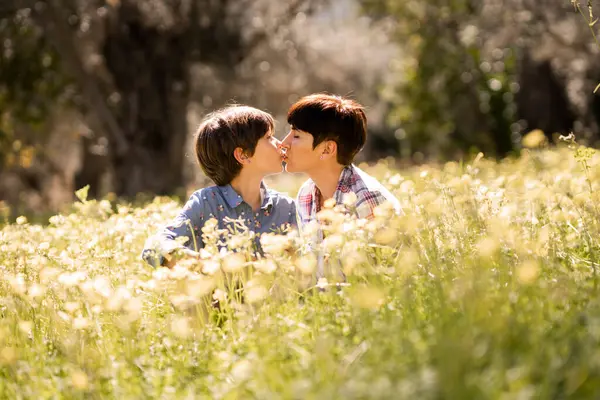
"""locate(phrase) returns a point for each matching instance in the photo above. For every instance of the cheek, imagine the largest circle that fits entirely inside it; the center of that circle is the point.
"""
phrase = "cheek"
(300, 146)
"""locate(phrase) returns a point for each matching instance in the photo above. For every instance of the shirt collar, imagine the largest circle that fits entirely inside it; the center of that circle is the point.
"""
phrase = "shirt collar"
(347, 180)
(267, 202)
(345, 184)
(233, 199)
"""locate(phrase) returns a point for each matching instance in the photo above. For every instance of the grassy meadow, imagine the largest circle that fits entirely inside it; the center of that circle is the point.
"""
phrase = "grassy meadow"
(487, 288)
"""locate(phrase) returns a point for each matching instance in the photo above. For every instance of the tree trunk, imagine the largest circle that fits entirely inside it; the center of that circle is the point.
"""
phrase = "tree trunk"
(150, 73)
(542, 101)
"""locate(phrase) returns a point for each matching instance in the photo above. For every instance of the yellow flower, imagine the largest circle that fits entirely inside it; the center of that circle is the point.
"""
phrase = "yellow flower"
(407, 187)
(234, 262)
(386, 236)
(71, 279)
(210, 225)
(134, 307)
(80, 323)
(533, 139)
(102, 286)
(198, 287)
(384, 210)
(352, 259)
(333, 242)
(528, 272)
(210, 267)
(79, 380)
(349, 199)
(241, 371)
(322, 283)
(395, 180)
(274, 244)
(71, 306)
(329, 203)
(487, 247)
(407, 261)
(180, 326)
(48, 274)
(8, 355)
(26, 327)
(18, 283)
(368, 297)
(266, 266)
(307, 264)
(64, 316)
(219, 295)
(255, 292)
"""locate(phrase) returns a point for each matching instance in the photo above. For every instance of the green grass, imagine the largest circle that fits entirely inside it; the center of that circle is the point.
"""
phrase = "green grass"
(487, 288)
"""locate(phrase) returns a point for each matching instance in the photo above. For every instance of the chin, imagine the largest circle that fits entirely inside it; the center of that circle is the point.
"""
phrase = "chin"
(287, 168)
(277, 170)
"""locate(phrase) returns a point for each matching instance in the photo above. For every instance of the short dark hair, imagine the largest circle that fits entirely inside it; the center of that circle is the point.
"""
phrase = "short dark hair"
(221, 132)
(331, 117)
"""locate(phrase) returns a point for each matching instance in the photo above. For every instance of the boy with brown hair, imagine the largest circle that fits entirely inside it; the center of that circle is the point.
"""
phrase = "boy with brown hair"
(326, 133)
(236, 148)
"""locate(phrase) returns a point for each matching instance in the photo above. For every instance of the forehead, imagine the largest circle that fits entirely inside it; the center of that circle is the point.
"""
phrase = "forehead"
(292, 127)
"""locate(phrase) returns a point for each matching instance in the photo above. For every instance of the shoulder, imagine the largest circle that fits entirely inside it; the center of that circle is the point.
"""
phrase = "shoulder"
(200, 198)
(307, 188)
(369, 188)
(364, 180)
(204, 192)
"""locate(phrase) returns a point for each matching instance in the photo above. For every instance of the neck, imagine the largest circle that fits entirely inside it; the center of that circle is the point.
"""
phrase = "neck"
(248, 186)
(327, 179)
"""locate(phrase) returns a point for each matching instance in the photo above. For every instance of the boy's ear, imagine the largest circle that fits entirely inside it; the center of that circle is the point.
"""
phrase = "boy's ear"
(330, 148)
(241, 156)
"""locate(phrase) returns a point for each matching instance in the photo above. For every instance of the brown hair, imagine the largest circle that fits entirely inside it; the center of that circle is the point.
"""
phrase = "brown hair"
(330, 117)
(221, 132)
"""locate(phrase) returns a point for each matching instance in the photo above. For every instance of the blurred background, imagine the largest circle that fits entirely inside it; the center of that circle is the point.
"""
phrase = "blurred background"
(109, 92)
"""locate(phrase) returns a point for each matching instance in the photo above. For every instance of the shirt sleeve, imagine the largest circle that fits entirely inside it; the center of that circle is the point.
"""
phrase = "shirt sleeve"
(180, 232)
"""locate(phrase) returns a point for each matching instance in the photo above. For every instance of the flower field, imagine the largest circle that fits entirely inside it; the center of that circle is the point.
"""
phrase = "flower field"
(487, 287)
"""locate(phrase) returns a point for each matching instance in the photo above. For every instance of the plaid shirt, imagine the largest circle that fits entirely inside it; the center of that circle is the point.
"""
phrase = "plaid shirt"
(369, 194)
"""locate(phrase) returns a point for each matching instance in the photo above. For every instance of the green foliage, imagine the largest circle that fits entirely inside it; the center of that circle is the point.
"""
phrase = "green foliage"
(485, 288)
(31, 81)
(452, 94)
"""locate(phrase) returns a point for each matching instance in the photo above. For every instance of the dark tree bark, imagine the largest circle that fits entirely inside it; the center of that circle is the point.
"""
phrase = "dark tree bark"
(150, 75)
(542, 101)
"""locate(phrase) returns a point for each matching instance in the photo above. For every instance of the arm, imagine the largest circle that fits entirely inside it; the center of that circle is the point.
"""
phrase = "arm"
(178, 236)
